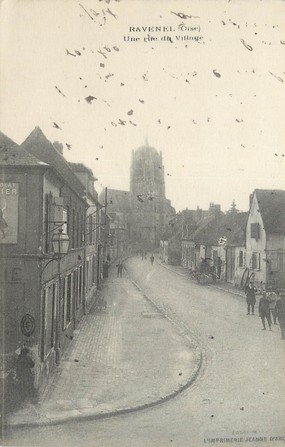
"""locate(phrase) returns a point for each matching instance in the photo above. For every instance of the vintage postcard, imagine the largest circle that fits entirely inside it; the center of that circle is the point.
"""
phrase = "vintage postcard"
(142, 223)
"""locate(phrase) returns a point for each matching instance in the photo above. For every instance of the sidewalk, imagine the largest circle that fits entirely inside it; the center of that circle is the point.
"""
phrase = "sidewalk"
(123, 359)
(226, 287)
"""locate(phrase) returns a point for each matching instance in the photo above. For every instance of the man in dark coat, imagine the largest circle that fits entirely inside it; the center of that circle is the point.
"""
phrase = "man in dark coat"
(105, 269)
(280, 312)
(264, 311)
(24, 373)
(250, 297)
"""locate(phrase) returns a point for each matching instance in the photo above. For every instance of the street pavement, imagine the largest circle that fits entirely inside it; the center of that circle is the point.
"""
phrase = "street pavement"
(121, 359)
(237, 396)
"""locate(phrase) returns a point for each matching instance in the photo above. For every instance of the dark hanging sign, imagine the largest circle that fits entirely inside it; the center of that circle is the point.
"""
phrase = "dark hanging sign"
(28, 325)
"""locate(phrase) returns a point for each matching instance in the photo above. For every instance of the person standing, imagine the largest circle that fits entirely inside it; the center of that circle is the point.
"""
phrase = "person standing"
(152, 259)
(105, 269)
(272, 298)
(119, 269)
(25, 375)
(280, 312)
(250, 297)
(264, 311)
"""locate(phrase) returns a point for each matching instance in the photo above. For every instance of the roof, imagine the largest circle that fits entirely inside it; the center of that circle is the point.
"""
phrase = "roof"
(38, 145)
(80, 167)
(210, 230)
(11, 154)
(118, 200)
(232, 226)
(236, 228)
(271, 203)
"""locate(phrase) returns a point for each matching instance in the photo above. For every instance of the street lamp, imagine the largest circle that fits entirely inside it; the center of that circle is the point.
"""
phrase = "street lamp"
(60, 243)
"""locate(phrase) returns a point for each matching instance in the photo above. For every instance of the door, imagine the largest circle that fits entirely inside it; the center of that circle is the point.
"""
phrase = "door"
(230, 264)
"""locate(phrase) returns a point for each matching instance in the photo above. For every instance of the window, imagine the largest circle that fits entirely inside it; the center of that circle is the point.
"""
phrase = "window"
(63, 290)
(277, 262)
(82, 230)
(87, 275)
(48, 218)
(73, 239)
(77, 230)
(94, 265)
(255, 261)
(241, 259)
(44, 324)
(68, 229)
(281, 262)
(75, 288)
(68, 301)
(53, 316)
(80, 285)
(49, 316)
(90, 229)
(64, 219)
(254, 231)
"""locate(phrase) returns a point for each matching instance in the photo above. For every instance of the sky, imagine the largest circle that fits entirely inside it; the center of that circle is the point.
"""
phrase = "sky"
(209, 93)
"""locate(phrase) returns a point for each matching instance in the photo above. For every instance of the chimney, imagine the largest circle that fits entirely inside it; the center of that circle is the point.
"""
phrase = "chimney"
(250, 199)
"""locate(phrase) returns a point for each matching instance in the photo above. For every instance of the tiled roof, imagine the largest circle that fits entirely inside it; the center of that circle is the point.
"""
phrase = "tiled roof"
(271, 203)
(38, 145)
(210, 230)
(231, 226)
(11, 154)
(236, 228)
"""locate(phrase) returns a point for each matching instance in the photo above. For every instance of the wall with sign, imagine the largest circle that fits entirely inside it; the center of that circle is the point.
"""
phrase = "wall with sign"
(9, 195)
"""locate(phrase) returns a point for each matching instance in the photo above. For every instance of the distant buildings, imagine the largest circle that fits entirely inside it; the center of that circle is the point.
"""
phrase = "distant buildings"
(241, 246)
(141, 216)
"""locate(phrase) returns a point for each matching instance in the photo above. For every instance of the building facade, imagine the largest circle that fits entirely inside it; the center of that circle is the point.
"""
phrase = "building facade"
(43, 293)
(118, 209)
(265, 238)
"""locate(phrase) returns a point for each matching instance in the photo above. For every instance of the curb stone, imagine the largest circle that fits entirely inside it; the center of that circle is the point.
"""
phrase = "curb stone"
(88, 414)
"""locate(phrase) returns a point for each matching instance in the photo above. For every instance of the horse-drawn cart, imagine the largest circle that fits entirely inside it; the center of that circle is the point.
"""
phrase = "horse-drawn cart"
(205, 273)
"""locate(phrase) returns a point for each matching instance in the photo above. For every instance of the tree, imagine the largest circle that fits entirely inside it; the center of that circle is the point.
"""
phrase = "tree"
(233, 209)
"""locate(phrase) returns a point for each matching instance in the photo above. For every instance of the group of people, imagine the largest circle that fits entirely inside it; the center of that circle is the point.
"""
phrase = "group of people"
(271, 306)
(143, 255)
